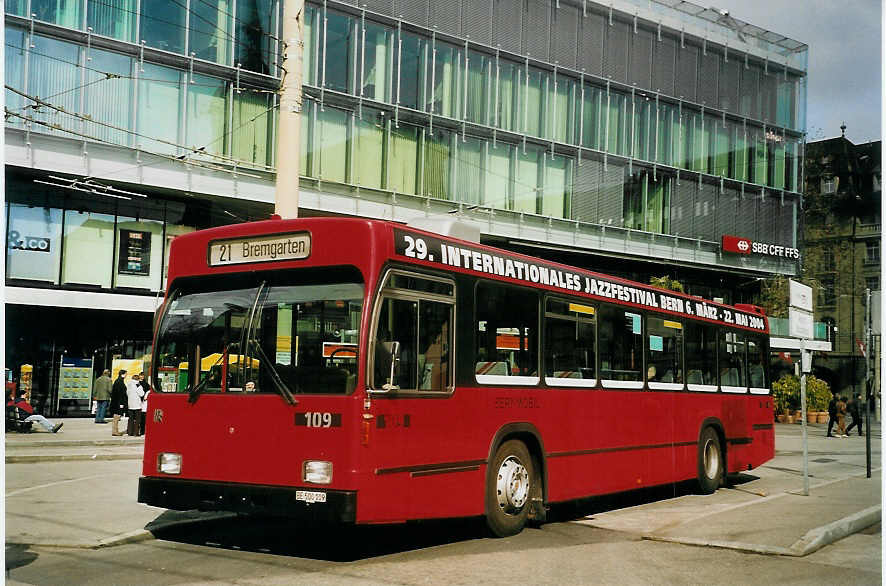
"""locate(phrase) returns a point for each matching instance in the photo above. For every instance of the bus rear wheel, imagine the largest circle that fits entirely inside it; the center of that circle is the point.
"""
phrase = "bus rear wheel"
(710, 461)
(509, 489)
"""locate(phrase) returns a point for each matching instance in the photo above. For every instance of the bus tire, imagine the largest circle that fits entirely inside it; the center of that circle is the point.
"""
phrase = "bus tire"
(710, 461)
(509, 489)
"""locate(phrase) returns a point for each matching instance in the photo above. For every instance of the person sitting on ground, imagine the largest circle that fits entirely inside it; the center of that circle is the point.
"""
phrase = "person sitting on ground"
(25, 412)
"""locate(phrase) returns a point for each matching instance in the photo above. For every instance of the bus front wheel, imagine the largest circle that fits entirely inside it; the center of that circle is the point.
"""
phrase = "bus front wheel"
(710, 461)
(509, 489)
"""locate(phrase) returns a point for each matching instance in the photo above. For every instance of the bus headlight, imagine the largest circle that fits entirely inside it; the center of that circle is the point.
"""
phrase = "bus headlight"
(317, 472)
(169, 463)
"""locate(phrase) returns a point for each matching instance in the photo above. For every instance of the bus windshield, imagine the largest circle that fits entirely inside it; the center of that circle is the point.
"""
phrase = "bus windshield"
(296, 336)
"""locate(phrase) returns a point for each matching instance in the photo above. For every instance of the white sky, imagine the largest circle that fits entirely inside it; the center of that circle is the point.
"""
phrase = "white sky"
(845, 58)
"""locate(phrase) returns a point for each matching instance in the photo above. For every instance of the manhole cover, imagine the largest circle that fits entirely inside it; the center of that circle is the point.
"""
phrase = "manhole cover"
(824, 460)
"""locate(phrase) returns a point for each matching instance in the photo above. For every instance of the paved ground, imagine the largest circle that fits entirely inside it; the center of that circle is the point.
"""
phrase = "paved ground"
(50, 501)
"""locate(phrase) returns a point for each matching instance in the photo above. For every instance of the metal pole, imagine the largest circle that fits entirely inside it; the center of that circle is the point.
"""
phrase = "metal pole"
(289, 125)
(803, 415)
(868, 387)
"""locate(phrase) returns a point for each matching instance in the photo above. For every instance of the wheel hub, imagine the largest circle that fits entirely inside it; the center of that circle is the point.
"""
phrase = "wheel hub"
(711, 460)
(512, 485)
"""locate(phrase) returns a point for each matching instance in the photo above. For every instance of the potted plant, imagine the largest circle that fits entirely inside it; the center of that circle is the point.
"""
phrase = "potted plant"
(786, 395)
(818, 395)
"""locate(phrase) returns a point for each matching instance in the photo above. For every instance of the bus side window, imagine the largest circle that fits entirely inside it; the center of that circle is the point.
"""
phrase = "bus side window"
(507, 334)
(731, 359)
(700, 354)
(621, 344)
(757, 364)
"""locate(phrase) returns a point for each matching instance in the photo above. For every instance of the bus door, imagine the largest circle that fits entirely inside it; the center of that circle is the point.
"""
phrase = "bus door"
(417, 430)
(664, 380)
(732, 365)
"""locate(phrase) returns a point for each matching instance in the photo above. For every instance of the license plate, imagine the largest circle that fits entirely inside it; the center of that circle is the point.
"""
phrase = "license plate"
(310, 496)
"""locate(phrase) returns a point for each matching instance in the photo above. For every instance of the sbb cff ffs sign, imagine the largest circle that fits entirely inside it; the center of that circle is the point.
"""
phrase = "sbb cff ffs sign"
(741, 245)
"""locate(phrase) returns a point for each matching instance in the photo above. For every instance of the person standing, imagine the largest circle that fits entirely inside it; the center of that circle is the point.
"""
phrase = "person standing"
(854, 408)
(144, 411)
(841, 417)
(134, 394)
(102, 395)
(832, 414)
(118, 402)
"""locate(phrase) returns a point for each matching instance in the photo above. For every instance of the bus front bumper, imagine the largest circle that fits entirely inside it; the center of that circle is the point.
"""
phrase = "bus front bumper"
(340, 506)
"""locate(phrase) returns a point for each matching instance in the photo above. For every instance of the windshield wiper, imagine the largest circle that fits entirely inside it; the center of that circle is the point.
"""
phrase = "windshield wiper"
(275, 378)
(195, 390)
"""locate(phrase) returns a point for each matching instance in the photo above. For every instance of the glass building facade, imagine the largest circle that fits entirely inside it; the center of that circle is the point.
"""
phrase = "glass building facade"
(648, 126)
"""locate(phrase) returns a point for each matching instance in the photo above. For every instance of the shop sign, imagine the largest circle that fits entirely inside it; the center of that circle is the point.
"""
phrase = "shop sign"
(741, 245)
(32, 243)
(135, 252)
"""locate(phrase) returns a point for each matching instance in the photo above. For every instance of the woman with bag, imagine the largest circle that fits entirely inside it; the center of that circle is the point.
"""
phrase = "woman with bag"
(134, 394)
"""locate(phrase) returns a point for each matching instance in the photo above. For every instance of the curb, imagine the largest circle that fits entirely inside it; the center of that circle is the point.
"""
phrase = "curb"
(29, 459)
(812, 541)
(69, 443)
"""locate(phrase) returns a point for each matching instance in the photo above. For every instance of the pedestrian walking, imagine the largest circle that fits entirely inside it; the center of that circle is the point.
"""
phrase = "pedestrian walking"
(832, 414)
(854, 408)
(118, 402)
(841, 417)
(102, 395)
(134, 394)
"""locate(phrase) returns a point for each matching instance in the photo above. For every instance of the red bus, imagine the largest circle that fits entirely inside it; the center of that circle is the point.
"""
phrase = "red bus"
(363, 371)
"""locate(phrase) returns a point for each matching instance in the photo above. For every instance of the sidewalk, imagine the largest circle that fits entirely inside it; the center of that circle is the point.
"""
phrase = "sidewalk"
(93, 504)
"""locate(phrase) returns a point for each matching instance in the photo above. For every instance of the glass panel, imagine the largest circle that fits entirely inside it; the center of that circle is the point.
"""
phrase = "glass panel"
(339, 52)
(159, 98)
(481, 77)
(557, 186)
(306, 159)
(53, 73)
(592, 125)
(403, 158)
(311, 50)
(526, 180)
(252, 123)
(701, 354)
(749, 101)
(739, 153)
(413, 60)
(569, 344)
(108, 100)
(377, 63)
(437, 163)
(497, 180)
(211, 31)
(137, 258)
(644, 128)
(791, 161)
(719, 148)
(757, 361)
(664, 350)
(619, 124)
(621, 344)
(206, 113)
(757, 156)
(17, 7)
(370, 131)
(470, 169)
(33, 238)
(66, 13)
(533, 101)
(557, 111)
(507, 332)
(732, 360)
(448, 79)
(333, 144)
(510, 88)
(14, 72)
(255, 33)
(112, 19)
(163, 25)
(89, 248)
(777, 162)
(787, 98)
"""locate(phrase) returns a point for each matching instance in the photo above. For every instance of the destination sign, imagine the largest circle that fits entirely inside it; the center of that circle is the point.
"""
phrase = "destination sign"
(259, 249)
(435, 250)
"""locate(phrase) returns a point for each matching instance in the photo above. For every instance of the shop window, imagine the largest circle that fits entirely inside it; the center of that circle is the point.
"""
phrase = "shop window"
(138, 254)
(33, 237)
(88, 249)
(112, 19)
(621, 346)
